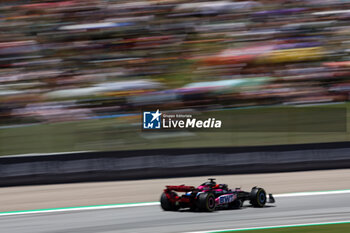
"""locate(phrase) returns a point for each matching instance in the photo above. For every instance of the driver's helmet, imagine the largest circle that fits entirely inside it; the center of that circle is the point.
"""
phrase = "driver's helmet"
(221, 186)
(211, 183)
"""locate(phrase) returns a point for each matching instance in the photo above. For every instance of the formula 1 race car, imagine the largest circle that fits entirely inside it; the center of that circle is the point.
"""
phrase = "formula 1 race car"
(210, 196)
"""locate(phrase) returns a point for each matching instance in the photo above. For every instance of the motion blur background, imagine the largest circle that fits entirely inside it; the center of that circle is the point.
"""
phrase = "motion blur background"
(75, 75)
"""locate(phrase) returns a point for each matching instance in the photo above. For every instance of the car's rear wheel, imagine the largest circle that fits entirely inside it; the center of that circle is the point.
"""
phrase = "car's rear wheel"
(258, 197)
(166, 204)
(206, 202)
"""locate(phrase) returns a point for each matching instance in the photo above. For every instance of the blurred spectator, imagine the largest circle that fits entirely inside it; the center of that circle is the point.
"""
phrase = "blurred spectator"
(74, 59)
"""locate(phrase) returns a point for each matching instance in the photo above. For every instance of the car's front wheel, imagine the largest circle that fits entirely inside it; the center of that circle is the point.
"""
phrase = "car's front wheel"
(258, 197)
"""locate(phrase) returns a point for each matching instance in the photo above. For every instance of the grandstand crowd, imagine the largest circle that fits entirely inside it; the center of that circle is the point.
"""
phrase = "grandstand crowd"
(78, 59)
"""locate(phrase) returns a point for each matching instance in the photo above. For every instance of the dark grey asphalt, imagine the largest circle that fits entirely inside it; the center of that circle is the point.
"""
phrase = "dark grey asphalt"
(286, 210)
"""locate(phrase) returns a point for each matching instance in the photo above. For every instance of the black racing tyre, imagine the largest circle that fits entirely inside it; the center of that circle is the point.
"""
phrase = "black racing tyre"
(166, 204)
(206, 202)
(258, 197)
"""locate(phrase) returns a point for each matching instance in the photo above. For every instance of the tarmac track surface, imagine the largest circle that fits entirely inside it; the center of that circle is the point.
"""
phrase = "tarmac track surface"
(102, 193)
(286, 211)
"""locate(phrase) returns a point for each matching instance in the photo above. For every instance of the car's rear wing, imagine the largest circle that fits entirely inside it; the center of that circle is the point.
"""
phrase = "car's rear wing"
(179, 188)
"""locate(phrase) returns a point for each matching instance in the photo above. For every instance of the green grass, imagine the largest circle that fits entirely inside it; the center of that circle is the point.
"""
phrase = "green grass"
(125, 134)
(333, 228)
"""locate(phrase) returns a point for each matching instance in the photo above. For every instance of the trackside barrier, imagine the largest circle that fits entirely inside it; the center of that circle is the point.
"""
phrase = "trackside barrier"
(161, 163)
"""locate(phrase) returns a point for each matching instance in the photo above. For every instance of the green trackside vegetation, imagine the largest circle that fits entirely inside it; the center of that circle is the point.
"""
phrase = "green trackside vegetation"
(333, 228)
(242, 127)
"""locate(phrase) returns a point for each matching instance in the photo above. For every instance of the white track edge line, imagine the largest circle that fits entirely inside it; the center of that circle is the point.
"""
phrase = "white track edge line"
(102, 207)
(316, 193)
(272, 227)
